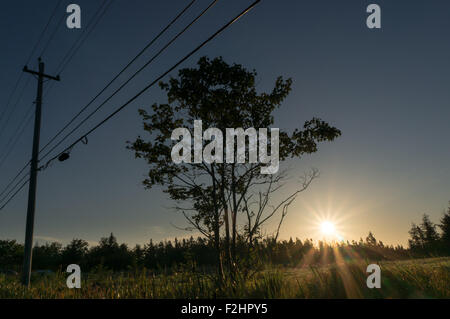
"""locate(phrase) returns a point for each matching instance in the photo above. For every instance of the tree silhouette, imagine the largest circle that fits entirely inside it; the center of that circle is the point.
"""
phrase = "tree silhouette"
(445, 228)
(424, 238)
(429, 230)
(46, 256)
(371, 240)
(75, 252)
(11, 253)
(110, 254)
(214, 194)
(197, 254)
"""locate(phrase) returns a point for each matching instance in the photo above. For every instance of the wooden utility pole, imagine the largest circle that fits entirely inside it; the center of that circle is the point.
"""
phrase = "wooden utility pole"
(26, 273)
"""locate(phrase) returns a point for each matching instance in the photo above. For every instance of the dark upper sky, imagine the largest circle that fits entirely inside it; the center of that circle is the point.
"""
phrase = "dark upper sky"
(387, 90)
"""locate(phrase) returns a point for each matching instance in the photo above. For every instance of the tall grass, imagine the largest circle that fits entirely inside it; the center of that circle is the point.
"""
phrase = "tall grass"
(415, 279)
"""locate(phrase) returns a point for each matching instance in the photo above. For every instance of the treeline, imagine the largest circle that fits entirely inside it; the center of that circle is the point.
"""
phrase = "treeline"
(425, 241)
(109, 254)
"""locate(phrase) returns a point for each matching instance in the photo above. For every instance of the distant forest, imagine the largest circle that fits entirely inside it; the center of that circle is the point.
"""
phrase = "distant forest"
(198, 254)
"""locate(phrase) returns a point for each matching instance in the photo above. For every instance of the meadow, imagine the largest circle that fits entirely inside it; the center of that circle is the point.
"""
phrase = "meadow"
(415, 278)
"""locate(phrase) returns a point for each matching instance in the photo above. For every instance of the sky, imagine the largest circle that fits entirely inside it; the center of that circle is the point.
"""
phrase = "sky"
(387, 90)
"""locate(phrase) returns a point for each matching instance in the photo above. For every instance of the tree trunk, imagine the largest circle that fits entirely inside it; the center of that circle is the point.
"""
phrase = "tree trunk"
(233, 213)
(227, 223)
(220, 273)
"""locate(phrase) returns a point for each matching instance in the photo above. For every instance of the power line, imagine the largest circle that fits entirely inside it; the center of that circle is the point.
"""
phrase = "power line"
(36, 45)
(123, 70)
(13, 180)
(14, 187)
(50, 39)
(14, 195)
(119, 74)
(93, 21)
(156, 80)
(16, 85)
(244, 12)
(96, 18)
(132, 77)
(43, 32)
(11, 112)
(17, 135)
(74, 49)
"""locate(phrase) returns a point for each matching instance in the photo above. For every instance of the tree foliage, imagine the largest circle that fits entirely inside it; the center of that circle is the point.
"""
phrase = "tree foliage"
(194, 254)
(215, 197)
(445, 228)
(425, 239)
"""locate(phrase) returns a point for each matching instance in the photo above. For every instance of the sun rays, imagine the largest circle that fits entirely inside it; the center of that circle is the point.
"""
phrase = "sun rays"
(327, 228)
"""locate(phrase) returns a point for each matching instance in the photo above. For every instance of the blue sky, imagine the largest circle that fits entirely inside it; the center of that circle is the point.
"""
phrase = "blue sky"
(387, 90)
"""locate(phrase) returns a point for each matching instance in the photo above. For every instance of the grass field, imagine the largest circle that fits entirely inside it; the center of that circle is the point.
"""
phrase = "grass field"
(420, 278)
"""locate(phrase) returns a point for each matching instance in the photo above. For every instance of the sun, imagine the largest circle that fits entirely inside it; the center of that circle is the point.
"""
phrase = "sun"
(327, 228)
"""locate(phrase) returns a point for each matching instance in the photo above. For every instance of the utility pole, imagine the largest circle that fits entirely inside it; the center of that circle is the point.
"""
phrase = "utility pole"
(26, 273)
